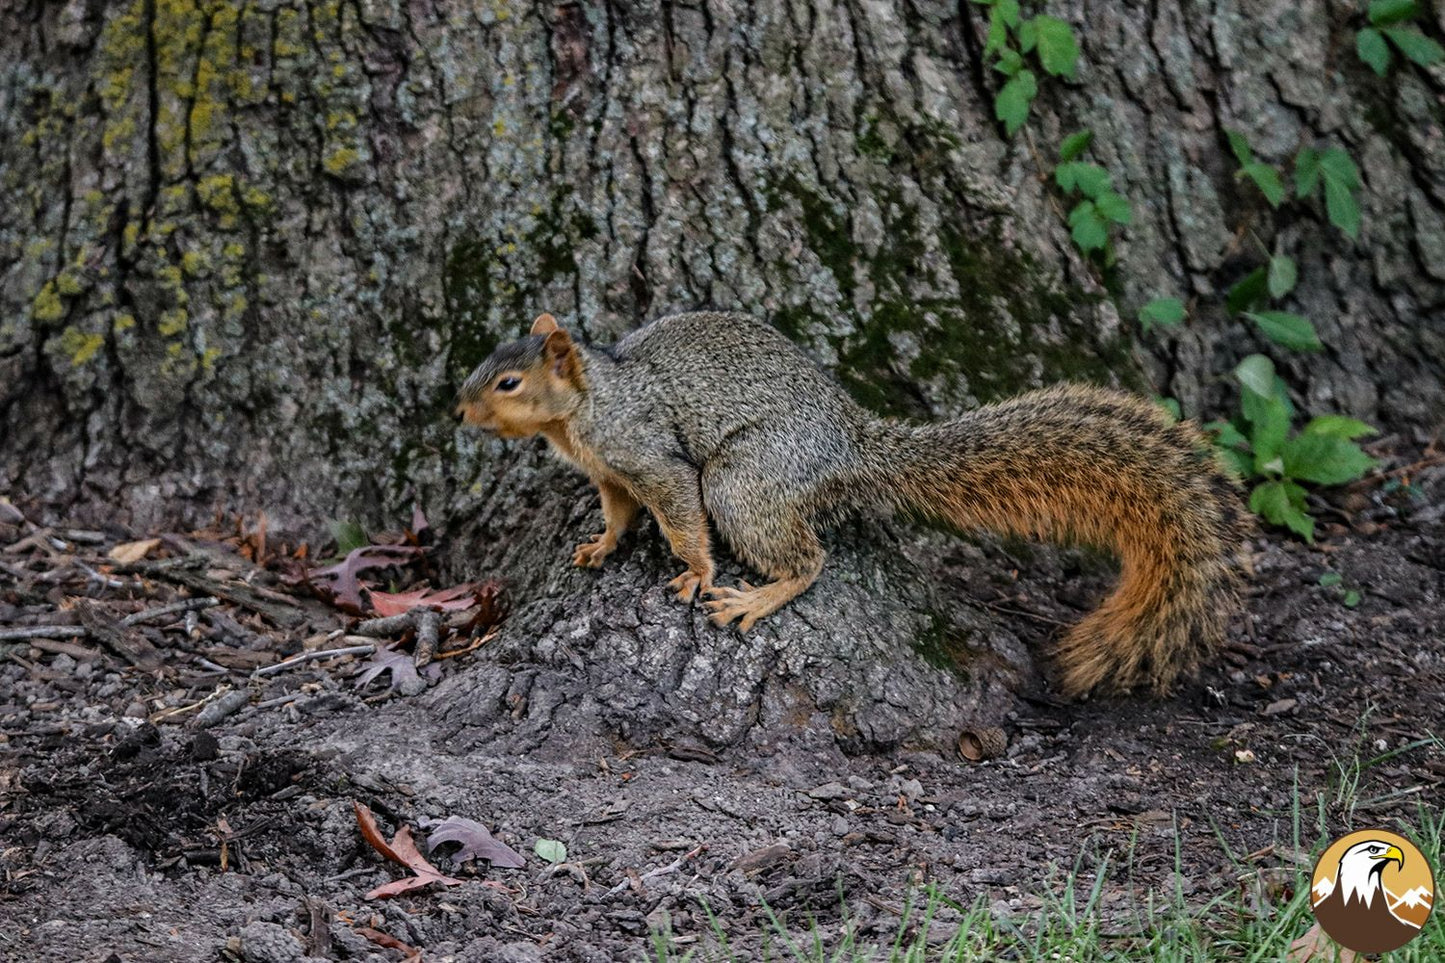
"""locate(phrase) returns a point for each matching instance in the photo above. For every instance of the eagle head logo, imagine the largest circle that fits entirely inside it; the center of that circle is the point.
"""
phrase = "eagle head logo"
(1372, 891)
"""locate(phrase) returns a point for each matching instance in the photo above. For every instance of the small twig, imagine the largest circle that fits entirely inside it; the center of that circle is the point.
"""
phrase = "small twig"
(57, 647)
(671, 867)
(305, 657)
(1028, 615)
(178, 571)
(428, 628)
(131, 646)
(220, 708)
(476, 644)
(174, 608)
(43, 632)
(386, 627)
(279, 700)
(95, 576)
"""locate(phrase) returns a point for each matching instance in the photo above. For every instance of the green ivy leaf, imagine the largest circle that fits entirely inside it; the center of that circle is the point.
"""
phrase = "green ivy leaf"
(1012, 103)
(1342, 208)
(1240, 146)
(1088, 227)
(1256, 374)
(1370, 45)
(1342, 180)
(1291, 330)
(1266, 178)
(1352, 598)
(997, 32)
(1009, 10)
(1269, 427)
(1324, 460)
(1114, 207)
(1074, 145)
(1161, 312)
(1282, 276)
(551, 850)
(1415, 45)
(1337, 165)
(1226, 435)
(1331, 579)
(1058, 50)
(1282, 503)
(1338, 426)
(1385, 12)
(1009, 62)
(1028, 35)
(1306, 171)
(1266, 407)
(1089, 179)
(1171, 407)
(1247, 291)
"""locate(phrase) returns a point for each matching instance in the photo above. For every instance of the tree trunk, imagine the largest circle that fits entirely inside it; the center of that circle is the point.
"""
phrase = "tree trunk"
(251, 249)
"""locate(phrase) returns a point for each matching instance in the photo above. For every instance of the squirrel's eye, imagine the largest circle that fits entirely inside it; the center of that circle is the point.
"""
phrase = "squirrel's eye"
(508, 384)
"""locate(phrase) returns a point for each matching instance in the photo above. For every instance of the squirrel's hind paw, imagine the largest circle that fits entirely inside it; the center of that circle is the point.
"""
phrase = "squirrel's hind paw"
(590, 554)
(747, 603)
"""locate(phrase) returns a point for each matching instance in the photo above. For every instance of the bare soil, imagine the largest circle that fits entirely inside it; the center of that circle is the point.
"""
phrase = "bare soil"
(129, 832)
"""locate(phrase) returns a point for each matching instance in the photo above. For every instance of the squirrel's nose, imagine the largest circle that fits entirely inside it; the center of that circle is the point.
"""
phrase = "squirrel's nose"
(458, 414)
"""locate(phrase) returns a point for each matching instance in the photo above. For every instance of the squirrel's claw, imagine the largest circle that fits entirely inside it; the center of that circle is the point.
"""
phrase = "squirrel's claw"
(591, 553)
(729, 604)
(689, 583)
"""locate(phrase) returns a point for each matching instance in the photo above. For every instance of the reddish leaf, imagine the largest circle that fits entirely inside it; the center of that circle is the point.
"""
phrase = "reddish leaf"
(342, 581)
(388, 941)
(406, 884)
(401, 850)
(477, 843)
(455, 599)
(372, 832)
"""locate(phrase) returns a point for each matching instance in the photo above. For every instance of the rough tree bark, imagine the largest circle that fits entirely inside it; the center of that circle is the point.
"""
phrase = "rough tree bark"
(249, 250)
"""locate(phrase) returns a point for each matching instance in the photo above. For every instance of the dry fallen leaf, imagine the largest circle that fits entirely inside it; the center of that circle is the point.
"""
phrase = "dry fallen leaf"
(128, 553)
(389, 941)
(400, 850)
(458, 598)
(1317, 947)
(477, 843)
(404, 677)
(342, 583)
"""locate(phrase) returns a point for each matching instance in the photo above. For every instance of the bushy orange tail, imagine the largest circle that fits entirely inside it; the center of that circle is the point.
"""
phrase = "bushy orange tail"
(1077, 463)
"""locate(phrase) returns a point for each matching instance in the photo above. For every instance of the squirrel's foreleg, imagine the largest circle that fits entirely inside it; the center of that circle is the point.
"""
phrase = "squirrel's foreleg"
(619, 508)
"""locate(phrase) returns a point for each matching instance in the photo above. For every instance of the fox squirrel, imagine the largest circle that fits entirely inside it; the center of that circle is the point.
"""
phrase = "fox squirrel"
(717, 416)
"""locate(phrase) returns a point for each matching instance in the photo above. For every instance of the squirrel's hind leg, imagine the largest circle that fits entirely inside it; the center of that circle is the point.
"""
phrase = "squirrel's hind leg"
(788, 551)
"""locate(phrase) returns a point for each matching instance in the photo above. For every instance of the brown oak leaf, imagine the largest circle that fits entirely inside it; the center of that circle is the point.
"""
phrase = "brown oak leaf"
(402, 849)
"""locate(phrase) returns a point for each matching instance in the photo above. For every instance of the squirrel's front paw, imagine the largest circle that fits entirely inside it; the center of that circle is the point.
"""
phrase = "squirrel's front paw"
(689, 583)
(590, 554)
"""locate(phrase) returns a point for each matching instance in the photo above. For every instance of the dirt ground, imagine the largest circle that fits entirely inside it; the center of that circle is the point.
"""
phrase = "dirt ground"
(129, 832)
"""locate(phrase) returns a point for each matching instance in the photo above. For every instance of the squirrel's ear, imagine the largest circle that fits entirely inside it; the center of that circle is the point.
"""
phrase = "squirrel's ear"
(562, 354)
(545, 324)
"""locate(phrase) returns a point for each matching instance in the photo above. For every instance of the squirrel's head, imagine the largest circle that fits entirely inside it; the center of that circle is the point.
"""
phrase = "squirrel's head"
(525, 385)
